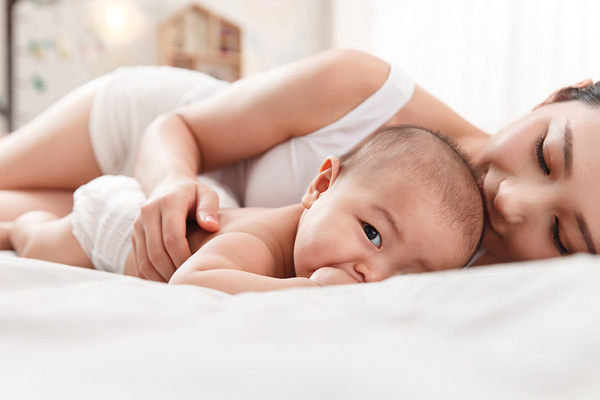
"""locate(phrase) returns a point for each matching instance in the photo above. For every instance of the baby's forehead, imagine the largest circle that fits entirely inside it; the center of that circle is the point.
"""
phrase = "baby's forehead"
(424, 220)
(431, 167)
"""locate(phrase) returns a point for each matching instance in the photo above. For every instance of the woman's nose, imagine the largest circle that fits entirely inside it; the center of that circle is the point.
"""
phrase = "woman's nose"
(509, 203)
(517, 201)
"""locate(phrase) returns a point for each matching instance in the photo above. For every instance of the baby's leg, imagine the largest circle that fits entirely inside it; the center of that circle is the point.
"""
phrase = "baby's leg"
(14, 203)
(44, 236)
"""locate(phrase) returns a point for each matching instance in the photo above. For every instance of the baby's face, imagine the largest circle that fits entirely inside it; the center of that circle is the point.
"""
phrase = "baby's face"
(374, 231)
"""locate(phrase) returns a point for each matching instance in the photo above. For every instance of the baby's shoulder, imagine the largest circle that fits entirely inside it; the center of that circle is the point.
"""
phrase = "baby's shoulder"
(275, 228)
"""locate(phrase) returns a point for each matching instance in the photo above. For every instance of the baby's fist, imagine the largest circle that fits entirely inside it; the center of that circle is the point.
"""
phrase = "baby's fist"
(332, 276)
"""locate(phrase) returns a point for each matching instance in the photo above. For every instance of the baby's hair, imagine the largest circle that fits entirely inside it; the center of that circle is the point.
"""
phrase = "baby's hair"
(435, 162)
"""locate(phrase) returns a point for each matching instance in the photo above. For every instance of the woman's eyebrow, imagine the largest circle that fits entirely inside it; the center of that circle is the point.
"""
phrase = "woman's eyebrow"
(568, 149)
(585, 233)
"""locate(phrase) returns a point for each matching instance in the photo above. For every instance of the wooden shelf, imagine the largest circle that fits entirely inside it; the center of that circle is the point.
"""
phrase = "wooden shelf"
(196, 38)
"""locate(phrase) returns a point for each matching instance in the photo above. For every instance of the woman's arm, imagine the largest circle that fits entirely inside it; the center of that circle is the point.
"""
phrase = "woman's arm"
(159, 241)
(246, 119)
(428, 111)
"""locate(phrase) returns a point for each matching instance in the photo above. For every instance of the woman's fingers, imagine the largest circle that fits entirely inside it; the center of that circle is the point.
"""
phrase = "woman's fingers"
(159, 237)
(144, 267)
(207, 209)
(148, 247)
(173, 240)
(160, 265)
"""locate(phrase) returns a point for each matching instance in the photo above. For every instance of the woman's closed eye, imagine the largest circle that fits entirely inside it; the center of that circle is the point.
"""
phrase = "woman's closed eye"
(372, 234)
(555, 227)
(539, 153)
(555, 232)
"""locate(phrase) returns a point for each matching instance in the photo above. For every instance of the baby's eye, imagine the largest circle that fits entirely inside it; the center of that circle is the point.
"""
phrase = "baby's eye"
(372, 234)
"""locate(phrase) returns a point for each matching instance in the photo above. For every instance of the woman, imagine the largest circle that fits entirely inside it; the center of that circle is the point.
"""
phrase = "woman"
(265, 131)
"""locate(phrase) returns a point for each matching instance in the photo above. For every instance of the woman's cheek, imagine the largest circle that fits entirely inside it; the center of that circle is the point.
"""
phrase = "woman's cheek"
(525, 248)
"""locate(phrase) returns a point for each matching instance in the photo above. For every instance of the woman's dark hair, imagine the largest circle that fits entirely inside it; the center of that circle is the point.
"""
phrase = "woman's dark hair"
(589, 95)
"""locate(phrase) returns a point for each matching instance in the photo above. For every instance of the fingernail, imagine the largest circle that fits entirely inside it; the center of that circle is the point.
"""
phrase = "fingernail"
(209, 218)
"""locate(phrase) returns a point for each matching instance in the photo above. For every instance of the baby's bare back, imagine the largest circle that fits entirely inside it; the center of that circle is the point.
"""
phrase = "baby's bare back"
(276, 227)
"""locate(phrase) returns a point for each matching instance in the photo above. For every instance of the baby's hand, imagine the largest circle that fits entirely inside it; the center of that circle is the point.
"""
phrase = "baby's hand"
(332, 276)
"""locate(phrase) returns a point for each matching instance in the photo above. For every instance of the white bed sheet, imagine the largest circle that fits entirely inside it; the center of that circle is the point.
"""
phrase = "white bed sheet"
(524, 331)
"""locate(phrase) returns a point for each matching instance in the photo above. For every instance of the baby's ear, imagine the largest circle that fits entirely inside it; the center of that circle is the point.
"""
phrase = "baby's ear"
(330, 170)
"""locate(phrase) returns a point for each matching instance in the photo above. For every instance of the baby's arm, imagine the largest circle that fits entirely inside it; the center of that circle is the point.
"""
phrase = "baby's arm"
(234, 281)
(45, 236)
(233, 263)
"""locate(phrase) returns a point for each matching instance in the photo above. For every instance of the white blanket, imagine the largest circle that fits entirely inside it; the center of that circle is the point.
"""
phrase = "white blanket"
(524, 331)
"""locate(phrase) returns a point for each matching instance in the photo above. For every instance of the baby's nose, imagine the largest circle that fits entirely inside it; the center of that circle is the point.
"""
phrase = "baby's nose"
(370, 272)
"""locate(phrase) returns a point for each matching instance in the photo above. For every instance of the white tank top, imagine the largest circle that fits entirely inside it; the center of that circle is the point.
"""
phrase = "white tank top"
(281, 175)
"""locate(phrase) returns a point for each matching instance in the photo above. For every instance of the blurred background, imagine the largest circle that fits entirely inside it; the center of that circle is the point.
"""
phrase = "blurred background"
(492, 61)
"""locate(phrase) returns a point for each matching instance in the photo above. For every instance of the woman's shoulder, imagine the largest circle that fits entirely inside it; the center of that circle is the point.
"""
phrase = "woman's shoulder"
(355, 57)
(355, 68)
(387, 89)
(333, 84)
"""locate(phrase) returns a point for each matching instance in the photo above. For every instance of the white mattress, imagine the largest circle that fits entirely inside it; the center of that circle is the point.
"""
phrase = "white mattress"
(524, 331)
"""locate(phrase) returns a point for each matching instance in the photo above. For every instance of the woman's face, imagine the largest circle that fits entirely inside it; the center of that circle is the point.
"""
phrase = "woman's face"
(542, 184)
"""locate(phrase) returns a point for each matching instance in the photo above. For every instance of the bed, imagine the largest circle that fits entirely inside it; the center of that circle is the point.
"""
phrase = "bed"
(521, 331)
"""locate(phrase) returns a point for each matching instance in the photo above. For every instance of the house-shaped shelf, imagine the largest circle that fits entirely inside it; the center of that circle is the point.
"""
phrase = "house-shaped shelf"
(198, 39)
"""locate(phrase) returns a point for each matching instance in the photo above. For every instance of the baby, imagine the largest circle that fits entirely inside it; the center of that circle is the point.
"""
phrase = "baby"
(406, 201)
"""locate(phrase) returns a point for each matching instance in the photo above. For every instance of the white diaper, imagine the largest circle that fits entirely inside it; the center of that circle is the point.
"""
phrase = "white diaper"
(103, 214)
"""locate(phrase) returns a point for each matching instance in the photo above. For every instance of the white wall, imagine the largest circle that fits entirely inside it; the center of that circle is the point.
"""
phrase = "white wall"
(352, 24)
(490, 60)
(65, 43)
(3, 126)
(276, 31)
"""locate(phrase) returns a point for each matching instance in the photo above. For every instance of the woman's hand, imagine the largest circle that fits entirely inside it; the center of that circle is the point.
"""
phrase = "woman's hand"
(332, 276)
(159, 241)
